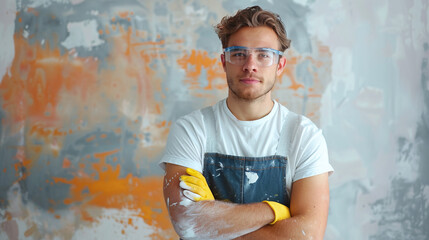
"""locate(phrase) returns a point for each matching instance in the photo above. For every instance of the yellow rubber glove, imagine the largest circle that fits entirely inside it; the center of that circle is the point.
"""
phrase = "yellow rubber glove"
(195, 186)
(280, 211)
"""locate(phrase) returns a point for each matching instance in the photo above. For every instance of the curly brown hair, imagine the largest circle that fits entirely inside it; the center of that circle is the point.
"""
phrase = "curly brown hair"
(252, 17)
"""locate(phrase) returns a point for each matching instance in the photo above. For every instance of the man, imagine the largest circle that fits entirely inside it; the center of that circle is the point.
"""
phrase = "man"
(258, 160)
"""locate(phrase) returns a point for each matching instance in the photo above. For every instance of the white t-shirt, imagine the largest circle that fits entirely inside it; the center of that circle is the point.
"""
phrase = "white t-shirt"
(186, 144)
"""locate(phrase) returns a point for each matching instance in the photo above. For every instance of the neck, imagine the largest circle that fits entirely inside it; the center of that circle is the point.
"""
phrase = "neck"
(249, 110)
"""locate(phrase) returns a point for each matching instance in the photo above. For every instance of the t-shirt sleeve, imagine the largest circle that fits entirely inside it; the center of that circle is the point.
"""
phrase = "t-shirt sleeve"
(186, 142)
(312, 152)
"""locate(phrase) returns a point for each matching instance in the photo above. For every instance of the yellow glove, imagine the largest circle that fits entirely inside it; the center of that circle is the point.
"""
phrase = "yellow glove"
(195, 186)
(281, 212)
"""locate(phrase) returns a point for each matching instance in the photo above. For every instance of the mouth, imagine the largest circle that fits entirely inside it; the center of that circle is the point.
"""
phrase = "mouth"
(249, 80)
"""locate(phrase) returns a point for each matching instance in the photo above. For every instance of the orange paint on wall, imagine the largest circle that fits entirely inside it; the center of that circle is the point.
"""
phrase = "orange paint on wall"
(314, 95)
(124, 14)
(33, 11)
(23, 163)
(106, 30)
(161, 124)
(90, 139)
(133, 58)
(31, 231)
(195, 62)
(38, 77)
(289, 71)
(106, 189)
(157, 109)
(153, 43)
(66, 163)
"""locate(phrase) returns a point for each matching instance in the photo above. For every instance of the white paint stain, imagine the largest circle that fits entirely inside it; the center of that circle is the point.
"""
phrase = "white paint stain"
(82, 34)
(220, 167)
(109, 226)
(200, 13)
(45, 3)
(301, 2)
(185, 202)
(189, 233)
(252, 177)
(25, 34)
(167, 182)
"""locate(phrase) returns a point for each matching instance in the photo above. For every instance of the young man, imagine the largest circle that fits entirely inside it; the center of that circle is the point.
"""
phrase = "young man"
(235, 169)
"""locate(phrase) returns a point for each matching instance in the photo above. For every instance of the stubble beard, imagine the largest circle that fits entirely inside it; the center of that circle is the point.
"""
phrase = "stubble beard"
(250, 97)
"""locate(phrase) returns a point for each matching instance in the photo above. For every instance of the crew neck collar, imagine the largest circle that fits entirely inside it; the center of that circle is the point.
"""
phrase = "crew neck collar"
(262, 120)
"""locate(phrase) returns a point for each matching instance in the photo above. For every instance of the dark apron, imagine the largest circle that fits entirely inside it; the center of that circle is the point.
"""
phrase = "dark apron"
(240, 179)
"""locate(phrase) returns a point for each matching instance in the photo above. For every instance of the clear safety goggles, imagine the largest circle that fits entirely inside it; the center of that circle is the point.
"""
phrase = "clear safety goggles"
(264, 57)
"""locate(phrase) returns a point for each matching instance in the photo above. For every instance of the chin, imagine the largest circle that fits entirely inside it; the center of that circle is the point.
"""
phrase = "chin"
(249, 96)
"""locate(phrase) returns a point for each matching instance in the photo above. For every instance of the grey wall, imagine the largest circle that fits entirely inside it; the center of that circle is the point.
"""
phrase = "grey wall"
(89, 89)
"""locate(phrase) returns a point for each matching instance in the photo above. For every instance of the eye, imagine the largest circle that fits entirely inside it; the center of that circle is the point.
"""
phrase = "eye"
(238, 54)
(265, 54)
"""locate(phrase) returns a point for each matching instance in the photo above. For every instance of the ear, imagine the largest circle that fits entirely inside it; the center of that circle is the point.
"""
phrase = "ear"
(281, 66)
(222, 59)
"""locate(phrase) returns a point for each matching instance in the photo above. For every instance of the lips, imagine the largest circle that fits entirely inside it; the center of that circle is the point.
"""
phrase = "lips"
(249, 80)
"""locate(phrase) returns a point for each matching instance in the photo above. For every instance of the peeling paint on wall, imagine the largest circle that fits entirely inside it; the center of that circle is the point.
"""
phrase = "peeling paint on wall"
(89, 89)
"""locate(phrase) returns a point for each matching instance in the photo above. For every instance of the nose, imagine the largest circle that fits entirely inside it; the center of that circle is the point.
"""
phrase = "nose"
(250, 64)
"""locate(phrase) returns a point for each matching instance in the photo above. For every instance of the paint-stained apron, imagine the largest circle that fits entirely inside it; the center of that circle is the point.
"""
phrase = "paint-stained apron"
(241, 179)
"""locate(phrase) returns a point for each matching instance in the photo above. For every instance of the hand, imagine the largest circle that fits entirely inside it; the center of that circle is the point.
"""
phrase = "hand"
(195, 186)
(281, 212)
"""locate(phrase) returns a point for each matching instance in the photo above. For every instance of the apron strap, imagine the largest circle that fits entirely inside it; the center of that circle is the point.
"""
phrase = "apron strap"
(287, 133)
(287, 136)
(210, 126)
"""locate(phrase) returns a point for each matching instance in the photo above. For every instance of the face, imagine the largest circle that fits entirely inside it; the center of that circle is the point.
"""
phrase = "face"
(250, 81)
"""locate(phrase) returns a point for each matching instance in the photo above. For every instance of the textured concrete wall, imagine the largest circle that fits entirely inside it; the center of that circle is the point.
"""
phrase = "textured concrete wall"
(89, 89)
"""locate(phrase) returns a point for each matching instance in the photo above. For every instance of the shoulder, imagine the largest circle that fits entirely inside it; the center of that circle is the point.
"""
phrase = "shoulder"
(197, 116)
(193, 125)
(300, 130)
(186, 141)
(307, 150)
(307, 126)
(301, 123)
(190, 120)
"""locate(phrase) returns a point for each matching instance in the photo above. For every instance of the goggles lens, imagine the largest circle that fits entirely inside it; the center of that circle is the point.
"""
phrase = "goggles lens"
(264, 57)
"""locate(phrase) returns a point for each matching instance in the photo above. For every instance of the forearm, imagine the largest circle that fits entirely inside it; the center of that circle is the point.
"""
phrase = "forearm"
(194, 218)
(218, 220)
(299, 227)
(210, 219)
(309, 211)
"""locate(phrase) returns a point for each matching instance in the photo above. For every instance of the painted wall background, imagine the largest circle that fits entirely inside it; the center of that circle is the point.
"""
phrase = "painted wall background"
(89, 89)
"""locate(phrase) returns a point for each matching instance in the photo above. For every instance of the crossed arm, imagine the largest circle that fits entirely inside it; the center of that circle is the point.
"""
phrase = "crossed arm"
(221, 220)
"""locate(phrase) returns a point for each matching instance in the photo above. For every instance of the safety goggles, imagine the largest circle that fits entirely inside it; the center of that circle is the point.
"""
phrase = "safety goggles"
(264, 57)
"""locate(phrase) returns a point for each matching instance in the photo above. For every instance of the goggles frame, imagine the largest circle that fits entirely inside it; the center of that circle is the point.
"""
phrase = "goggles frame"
(272, 54)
